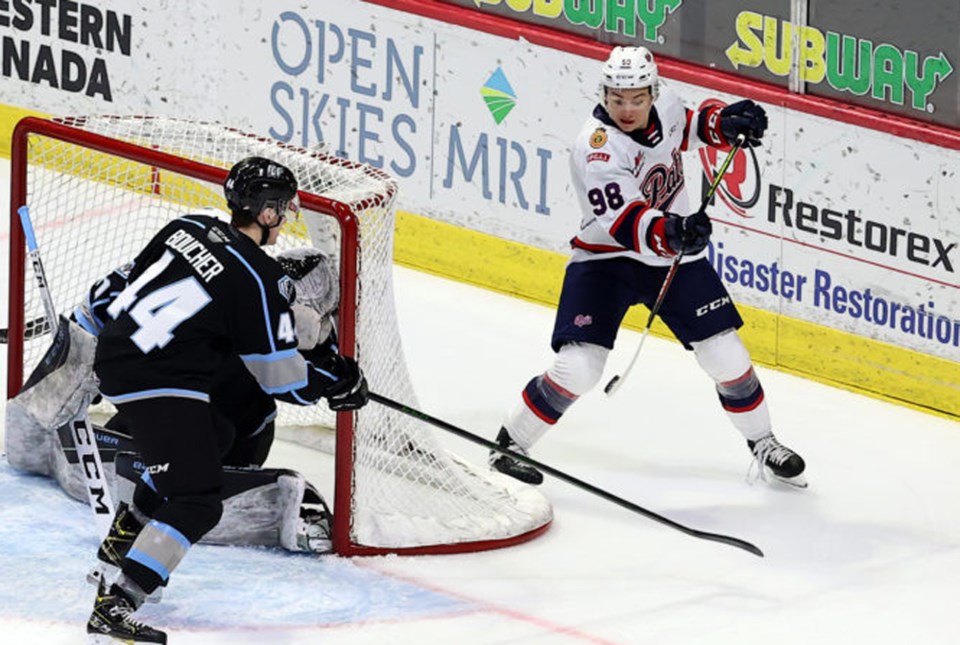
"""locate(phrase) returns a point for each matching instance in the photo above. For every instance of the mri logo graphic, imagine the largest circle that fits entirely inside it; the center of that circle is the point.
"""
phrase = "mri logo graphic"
(498, 95)
(740, 187)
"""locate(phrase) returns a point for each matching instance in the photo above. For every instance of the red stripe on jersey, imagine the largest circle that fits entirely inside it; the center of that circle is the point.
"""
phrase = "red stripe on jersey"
(595, 248)
(629, 219)
(684, 144)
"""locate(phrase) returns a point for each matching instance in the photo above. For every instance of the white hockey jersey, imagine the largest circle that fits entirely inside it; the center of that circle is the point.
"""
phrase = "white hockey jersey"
(624, 181)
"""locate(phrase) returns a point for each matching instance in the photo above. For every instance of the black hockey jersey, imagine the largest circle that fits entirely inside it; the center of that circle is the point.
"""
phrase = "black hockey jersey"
(199, 293)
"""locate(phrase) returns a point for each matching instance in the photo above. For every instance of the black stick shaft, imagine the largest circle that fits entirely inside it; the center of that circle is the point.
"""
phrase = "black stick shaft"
(590, 488)
(614, 383)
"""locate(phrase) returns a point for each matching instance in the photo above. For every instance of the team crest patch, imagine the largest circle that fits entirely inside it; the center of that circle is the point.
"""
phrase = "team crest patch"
(287, 289)
(582, 320)
(599, 138)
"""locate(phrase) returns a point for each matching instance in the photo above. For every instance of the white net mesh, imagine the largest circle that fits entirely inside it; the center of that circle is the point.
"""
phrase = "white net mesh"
(94, 210)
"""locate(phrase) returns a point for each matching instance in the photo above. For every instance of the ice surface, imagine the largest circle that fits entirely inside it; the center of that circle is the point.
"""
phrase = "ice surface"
(869, 554)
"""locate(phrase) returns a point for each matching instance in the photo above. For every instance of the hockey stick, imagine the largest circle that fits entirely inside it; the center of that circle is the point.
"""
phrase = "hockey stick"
(579, 483)
(31, 329)
(618, 380)
(98, 493)
(34, 252)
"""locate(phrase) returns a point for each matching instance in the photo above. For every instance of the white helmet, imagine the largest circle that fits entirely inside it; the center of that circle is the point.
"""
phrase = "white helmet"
(630, 67)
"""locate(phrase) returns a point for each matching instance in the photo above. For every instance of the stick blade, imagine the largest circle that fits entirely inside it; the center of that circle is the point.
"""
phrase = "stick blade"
(612, 386)
(731, 541)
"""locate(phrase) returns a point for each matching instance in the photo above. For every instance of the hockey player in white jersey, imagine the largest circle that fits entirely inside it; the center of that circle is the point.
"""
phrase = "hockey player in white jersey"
(627, 172)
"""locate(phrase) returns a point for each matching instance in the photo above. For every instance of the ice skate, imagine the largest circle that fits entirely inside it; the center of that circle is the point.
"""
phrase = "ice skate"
(778, 461)
(112, 619)
(510, 466)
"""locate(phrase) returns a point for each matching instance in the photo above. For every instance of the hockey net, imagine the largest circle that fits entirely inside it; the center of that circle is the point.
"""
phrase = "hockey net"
(99, 188)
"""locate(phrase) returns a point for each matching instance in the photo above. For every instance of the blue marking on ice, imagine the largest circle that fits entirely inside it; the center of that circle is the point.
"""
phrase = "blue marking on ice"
(48, 542)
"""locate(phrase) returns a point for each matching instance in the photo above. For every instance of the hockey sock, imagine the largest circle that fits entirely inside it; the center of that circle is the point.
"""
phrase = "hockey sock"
(544, 402)
(725, 358)
(576, 370)
(742, 398)
(153, 556)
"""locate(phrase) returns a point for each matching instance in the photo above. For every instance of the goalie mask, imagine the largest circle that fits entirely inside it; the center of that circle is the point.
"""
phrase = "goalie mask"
(318, 293)
(629, 67)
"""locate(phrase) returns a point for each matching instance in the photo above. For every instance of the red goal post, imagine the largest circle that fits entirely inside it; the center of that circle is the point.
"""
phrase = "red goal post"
(100, 187)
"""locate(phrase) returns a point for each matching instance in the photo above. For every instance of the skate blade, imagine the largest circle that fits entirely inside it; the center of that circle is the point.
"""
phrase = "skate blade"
(793, 482)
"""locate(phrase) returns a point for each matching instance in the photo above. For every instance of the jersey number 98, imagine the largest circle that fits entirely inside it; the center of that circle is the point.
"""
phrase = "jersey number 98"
(606, 198)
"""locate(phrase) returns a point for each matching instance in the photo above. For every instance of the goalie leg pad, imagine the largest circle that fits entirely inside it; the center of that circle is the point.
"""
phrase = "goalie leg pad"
(52, 396)
(261, 507)
(35, 449)
(62, 381)
(29, 446)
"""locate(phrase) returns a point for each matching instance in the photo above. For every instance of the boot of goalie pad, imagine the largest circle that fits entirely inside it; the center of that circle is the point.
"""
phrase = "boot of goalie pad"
(53, 395)
(261, 507)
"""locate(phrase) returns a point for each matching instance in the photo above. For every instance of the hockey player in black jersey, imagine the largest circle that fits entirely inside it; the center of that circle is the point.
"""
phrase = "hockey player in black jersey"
(200, 295)
(628, 176)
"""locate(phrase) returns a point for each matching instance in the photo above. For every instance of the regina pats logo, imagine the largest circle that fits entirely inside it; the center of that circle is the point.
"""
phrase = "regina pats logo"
(740, 187)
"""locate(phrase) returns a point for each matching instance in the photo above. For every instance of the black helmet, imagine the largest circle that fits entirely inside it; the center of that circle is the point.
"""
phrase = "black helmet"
(253, 183)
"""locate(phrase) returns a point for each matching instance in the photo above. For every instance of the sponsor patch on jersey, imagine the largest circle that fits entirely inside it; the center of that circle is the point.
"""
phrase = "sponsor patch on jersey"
(598, 156)
(216, 235)
(582, 320)
(287, 289)
(599, 138)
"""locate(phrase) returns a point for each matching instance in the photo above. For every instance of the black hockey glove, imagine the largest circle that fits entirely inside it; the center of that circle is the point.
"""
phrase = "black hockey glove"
(349, 391)
(687, 234)
(746, 118)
